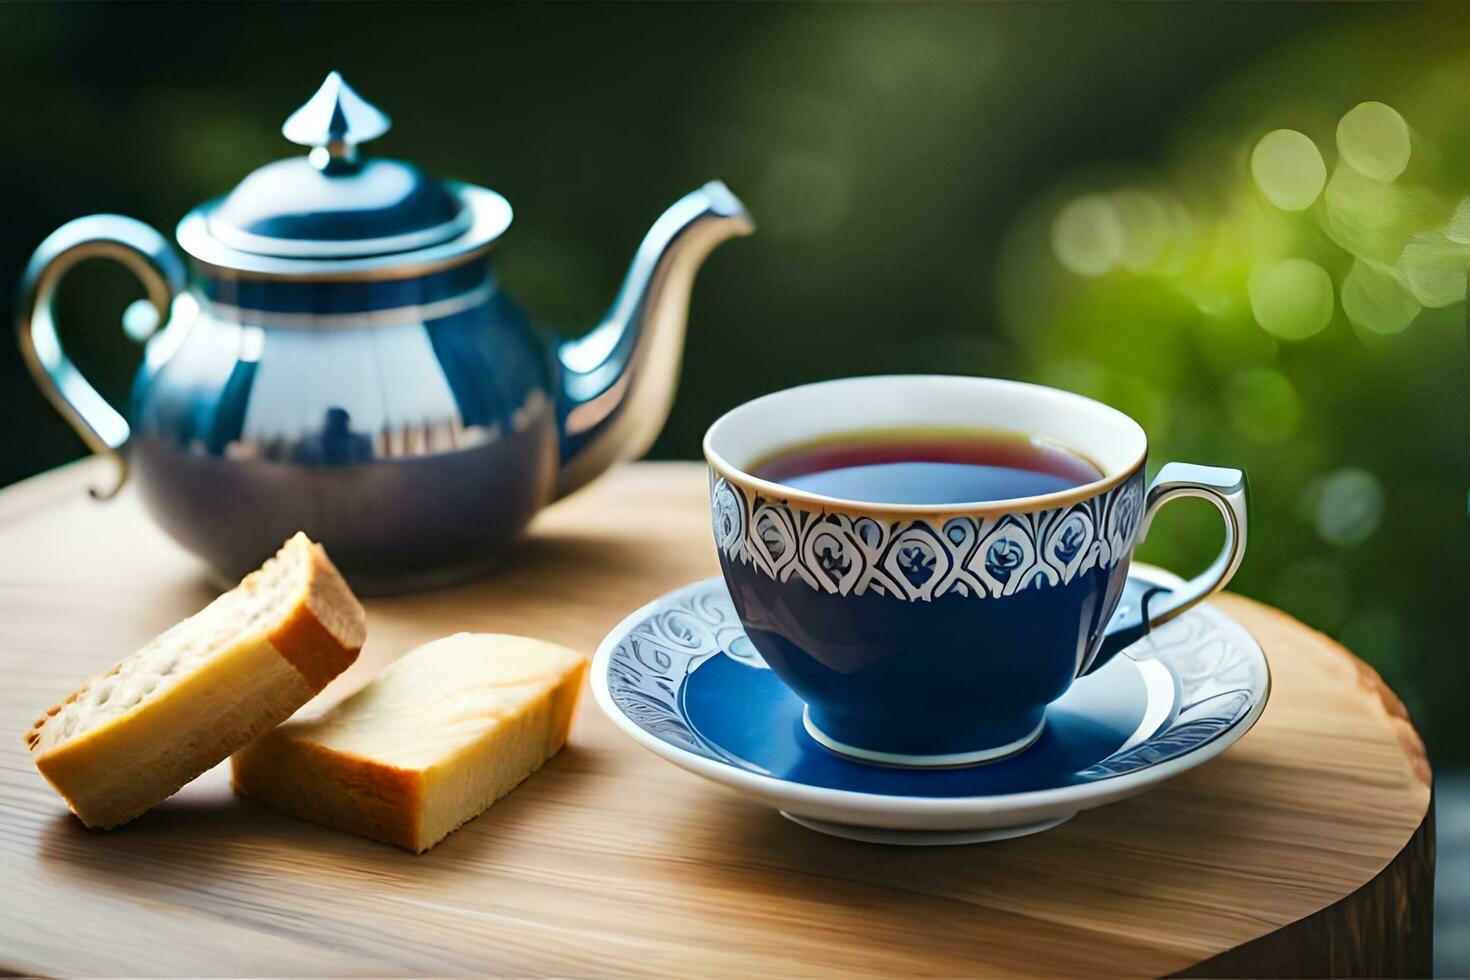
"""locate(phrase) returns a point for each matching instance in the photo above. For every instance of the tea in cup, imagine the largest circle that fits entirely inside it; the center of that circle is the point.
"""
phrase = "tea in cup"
(929, 561)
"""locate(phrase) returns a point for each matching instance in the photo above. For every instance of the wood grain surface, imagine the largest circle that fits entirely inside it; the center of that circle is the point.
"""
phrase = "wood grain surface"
(611, 862)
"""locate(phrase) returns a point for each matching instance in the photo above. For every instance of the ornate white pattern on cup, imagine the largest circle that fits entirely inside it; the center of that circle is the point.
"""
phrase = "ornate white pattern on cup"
(918, 560)
(728, 516)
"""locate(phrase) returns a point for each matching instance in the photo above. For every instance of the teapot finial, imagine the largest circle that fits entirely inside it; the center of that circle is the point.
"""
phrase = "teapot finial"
(333, 122)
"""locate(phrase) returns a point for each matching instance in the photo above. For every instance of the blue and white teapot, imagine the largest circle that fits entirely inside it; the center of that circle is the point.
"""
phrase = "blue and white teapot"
(344, 362)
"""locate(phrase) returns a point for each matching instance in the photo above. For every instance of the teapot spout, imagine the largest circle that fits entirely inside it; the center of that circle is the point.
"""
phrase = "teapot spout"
(618, 382)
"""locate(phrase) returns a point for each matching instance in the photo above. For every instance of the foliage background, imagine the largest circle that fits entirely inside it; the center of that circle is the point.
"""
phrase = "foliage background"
(905, 164)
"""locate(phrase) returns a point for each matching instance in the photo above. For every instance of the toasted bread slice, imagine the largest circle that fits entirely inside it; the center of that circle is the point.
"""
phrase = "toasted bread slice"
(133, 736)
(444, 731)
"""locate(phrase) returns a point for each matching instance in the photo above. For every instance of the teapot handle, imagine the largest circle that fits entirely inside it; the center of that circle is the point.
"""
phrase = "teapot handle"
(155, 263)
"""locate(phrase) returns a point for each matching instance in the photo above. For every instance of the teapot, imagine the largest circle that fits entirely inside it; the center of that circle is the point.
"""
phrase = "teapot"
(343, 361)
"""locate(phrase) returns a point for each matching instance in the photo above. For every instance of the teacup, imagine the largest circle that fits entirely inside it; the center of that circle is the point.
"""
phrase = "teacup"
(937, 634)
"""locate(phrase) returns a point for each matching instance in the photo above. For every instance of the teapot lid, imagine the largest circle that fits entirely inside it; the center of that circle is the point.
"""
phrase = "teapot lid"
(332, 211)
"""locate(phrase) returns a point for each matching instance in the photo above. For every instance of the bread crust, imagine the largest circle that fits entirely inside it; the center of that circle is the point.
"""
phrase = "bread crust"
(322, 634)
(340, 790)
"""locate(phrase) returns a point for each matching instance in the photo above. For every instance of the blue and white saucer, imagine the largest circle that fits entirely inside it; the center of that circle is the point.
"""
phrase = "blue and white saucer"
(681, 678)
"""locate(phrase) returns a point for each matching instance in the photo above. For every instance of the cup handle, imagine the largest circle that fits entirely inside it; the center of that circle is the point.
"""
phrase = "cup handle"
(1227, 490)
(150, 257)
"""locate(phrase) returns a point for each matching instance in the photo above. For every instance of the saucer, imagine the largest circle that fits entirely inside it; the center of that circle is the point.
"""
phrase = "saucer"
(681, 678)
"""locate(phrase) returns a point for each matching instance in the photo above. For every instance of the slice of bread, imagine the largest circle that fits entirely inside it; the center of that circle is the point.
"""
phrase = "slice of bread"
(129, 738)
(444, 731)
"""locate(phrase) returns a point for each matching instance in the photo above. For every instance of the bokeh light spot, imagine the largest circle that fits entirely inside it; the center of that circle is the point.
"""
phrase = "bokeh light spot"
(1349, 506)
(1435, 269)
(1373, 220)
(1458, 229)
(1262, 405)
(139, 320)
(1374, 140)
(1288, 168)
(1146, 225)
(1088, 236)
(1292, 299)
(1376, 299)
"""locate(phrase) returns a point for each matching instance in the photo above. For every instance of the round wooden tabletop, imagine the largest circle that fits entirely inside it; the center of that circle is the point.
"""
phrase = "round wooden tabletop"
(1305, 849)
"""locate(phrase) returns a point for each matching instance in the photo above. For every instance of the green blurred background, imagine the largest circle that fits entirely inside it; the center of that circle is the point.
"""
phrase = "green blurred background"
(906, 165)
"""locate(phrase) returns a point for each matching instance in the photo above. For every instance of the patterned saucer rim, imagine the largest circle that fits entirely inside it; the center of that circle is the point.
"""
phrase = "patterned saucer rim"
(896, 810)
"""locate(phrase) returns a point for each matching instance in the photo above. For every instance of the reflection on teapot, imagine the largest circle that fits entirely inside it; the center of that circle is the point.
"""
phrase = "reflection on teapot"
(344, 361)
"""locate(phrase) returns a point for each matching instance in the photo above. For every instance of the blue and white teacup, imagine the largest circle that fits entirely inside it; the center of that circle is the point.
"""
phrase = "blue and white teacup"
(936, 635)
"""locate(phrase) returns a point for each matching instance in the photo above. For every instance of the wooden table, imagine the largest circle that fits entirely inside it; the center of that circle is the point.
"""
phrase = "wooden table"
(1306, 848)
